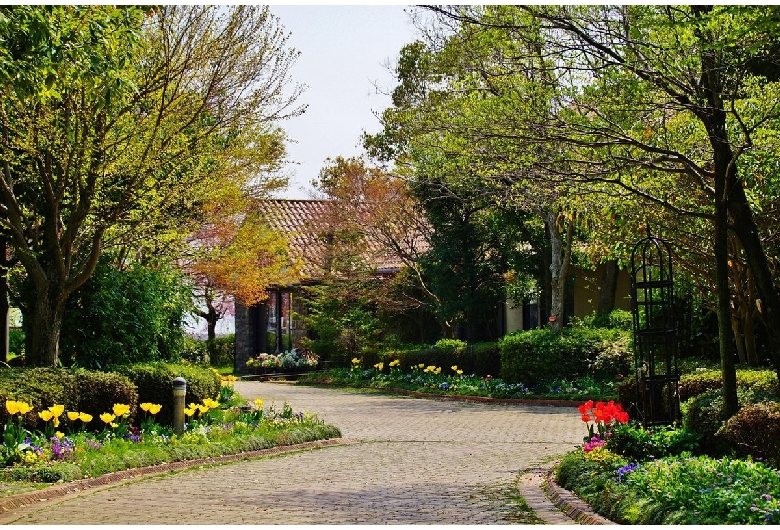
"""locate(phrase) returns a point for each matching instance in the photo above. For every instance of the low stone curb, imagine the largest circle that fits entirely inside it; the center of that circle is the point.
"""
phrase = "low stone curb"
(569, 503)
(23, 499)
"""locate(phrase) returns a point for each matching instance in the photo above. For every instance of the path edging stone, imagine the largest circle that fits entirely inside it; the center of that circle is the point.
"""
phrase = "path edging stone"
(569, 503)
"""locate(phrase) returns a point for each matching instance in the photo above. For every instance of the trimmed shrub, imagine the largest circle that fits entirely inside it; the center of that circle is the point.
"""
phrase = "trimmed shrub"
(41, 388)
(480, 359)
(758, 380)
(155, 384)
(78, 390)
(99, 391)
(534, 356)
(615, 319)
(755, 431)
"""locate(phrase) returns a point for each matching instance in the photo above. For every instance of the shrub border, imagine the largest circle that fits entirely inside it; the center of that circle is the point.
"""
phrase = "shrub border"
(22, 500)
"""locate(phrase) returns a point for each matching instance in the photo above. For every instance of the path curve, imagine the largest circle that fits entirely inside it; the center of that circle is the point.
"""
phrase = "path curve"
(421, 461)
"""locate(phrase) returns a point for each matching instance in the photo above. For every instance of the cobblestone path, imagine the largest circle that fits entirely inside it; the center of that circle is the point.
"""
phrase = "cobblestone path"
(419, 461)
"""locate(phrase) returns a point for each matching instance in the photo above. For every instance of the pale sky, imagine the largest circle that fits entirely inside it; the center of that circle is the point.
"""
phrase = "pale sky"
(343, 53)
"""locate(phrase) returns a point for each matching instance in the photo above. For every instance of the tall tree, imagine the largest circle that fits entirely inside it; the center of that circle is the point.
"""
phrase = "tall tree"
(112, 117)
(622, 75)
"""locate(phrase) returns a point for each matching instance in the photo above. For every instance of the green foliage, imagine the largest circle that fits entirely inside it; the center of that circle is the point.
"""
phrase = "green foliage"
(674, 490)
(220, 352)
(704, 415)
(536, 355)
(125, 316)
(637, 443)
(755, 430)
(99, 391)
(78, 390)
(16, 341)
(155, 384)
(340, 313)
(754, 379)
(41, 388)
(481, 359)
(615, 319)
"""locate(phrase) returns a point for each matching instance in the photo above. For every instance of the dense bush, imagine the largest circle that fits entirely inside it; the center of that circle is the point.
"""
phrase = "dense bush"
(697, 383)
(755, 430)
(98, 391)
(703, 414)
(155, 384)
(125, 316)
(537, 355)
(637, 443)
(78, 390)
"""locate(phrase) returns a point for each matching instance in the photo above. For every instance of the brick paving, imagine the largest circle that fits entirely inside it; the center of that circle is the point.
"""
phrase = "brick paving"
(420, 461)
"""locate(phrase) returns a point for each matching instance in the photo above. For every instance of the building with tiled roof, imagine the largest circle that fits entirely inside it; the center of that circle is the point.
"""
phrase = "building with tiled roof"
(309, 226)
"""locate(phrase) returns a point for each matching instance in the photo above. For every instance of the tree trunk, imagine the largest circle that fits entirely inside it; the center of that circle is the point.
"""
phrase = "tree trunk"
(768, 302)
(43, 323)
(608, 287)
(560, 253)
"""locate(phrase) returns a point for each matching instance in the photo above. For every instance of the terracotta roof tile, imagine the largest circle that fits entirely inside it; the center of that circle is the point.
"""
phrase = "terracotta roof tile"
(307, 223)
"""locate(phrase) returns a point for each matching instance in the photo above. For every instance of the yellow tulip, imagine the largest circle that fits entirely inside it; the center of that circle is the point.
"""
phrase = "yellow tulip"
(45, 415)
(59, 435)
(210, 403)
(421, 365)
(86, 418)
(107, 418)
(145, 406)
(259, 403)
(55, 421)
(114, 425)
(454, 368)
(189, 412)
(57, 410)
(460, 372)
(202, 408)
(12, 407)
(24, 408)
(73, 416)
(154, 409)
(121, 410)
(355, 360)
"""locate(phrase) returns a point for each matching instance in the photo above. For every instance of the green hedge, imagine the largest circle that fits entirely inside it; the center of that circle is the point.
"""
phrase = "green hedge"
(697, 383)
(155, 384)
(78, 390)
(220, 353)
(534, 356)
(755, 431)
(480, 359)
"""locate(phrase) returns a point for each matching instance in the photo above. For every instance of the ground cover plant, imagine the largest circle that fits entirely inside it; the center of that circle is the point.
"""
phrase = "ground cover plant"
(438, 380)
(66, 449)
(634, 475)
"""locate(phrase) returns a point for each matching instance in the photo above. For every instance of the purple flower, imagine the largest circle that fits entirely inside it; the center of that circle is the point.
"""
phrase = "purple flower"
(628, 468)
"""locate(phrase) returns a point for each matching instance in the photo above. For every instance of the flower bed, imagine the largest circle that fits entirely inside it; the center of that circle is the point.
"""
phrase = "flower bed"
(289, 361)
(634, 475)
(437, 380)
(66, 451)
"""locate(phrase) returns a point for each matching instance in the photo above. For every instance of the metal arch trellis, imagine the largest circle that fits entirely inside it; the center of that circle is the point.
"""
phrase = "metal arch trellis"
(655, 333)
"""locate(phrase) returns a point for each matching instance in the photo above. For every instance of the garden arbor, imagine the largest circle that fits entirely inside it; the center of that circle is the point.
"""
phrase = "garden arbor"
(655, 333)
